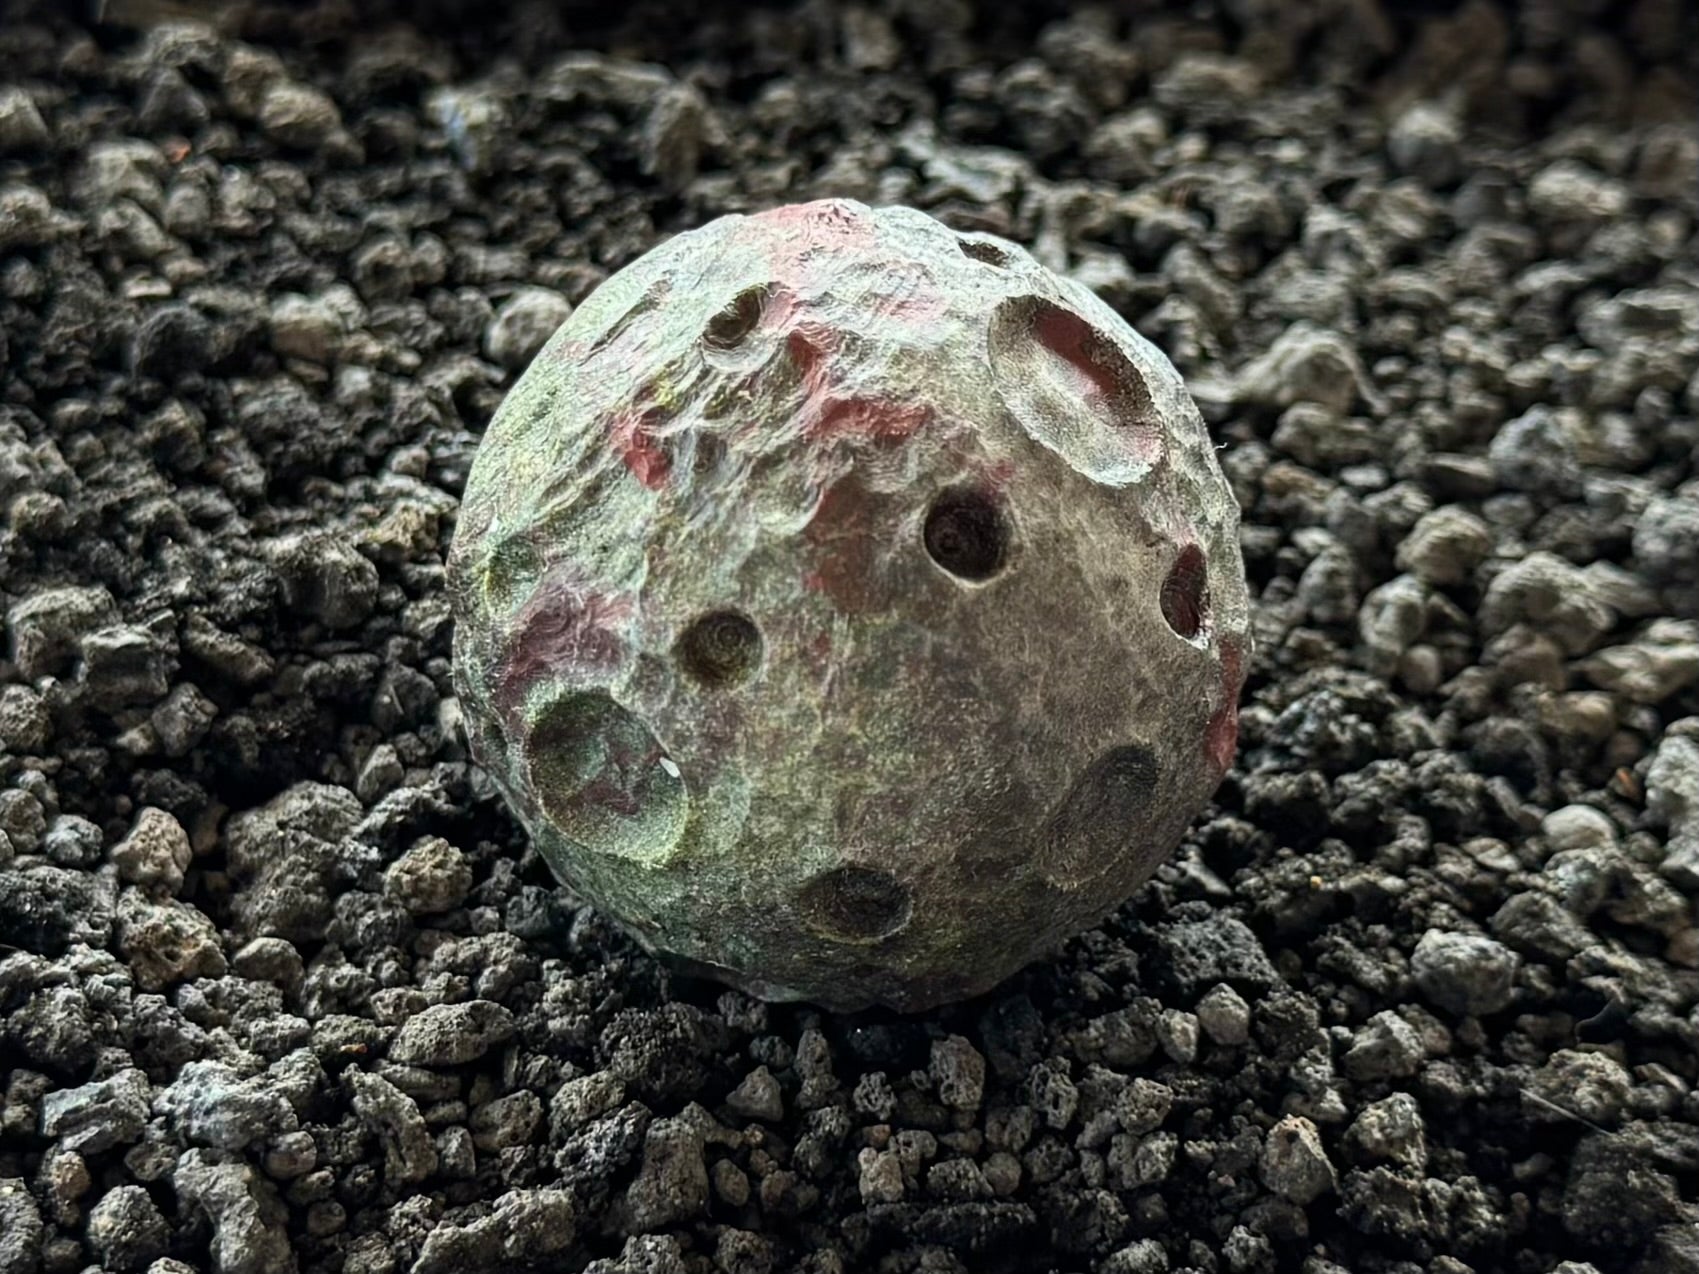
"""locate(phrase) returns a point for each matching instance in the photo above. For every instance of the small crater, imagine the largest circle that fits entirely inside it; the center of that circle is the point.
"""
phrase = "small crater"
(967, 534)
(708, 457)
(603, 779)
(855, 904)
(732, 326)
(1101, 815)
(985, 251)
(1074, 389)
(1185, 593)
(720, 649)
(651, 298)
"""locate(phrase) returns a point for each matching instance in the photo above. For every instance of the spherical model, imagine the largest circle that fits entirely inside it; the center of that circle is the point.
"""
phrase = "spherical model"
(850, 607)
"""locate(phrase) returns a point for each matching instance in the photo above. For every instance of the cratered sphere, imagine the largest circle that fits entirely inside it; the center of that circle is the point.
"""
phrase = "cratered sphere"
(849, 607)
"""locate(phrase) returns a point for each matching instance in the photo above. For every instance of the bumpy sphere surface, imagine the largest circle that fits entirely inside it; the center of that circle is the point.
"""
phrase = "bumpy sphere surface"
(850, 607)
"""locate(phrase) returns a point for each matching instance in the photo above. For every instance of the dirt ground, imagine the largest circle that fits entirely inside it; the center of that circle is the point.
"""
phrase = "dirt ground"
(283, 989)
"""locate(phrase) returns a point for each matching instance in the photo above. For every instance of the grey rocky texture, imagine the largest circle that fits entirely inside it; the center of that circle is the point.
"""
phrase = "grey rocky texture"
(1464, 973)
(222, 352)
(126, 1229)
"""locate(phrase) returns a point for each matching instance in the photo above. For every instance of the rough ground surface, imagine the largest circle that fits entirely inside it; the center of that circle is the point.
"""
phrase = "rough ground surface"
(282, 989)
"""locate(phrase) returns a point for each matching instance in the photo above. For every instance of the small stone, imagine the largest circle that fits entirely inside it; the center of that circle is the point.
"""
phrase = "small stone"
(1545, 591)
(673, 134)
(523, 324)
(580, 1101)
(1574, 1085)
(273, 960)
(430, 878)
(126, 1230)
(249, 1233)
(1423, 142)
(171, 341)
(1142, 1256)
(1224, 1016)
(1389, 1130)
(298, 115)
(166, 941)
(742, 1252)
(1142, 1105)
(1538, 924)
(1305, 363)
(874, 1098)
(958, 1071)
(1445, 546)
(512, 1120)
(46, 627)
(457, 1158)
(1659, 664)
(1464, 973)
(182, 719)
(155, 853)
(814, 1068)
(1200, 953)
(957, 1181)
(1567, 191)
(527, 1228)
(23, 822)
(65, 1177)
(1294, 1163)
(308, 328)
(28, 218)
(71, 841)
(1177, 1030)
(21, 1228)
(291, 1155)
(380, 775)
(1672, 780)
(672, 1183)
(210, 1104)
(325, 578)
(123, 665)
(1538, 452)
(452, 1034)
(98, 1116)
(1003, 1173)
(21, 125)
(1385, 1047)
(410, 1155)
(26, 725)
(1666, 549)
(881, 1179)
(1578, 827)
(1143, 1161)
(731, 1183)
(475, 122)
(758, 1097)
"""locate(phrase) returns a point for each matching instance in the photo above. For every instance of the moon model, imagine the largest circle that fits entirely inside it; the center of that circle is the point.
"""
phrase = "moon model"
(851, 608)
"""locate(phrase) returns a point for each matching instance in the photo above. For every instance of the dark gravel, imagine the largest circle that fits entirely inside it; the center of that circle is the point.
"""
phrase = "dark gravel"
(282, 989)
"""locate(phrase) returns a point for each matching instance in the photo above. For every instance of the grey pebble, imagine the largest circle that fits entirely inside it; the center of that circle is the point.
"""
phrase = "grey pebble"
(247, 1217)
(522, 324)
(126, 1229)
(1464, 973)
(452, 1034)
(100, 1115)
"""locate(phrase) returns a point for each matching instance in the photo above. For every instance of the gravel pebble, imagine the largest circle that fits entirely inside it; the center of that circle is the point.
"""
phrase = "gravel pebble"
(1464, 973)
(522, 324)
(452, 1034)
